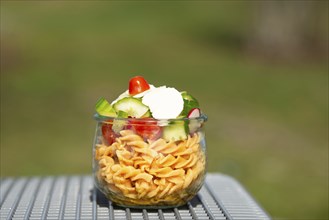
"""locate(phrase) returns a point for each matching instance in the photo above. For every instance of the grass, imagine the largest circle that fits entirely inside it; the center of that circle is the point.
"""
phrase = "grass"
(268, 122)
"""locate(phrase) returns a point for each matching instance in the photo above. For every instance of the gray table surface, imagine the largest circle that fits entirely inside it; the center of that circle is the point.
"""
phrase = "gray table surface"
(74, 197)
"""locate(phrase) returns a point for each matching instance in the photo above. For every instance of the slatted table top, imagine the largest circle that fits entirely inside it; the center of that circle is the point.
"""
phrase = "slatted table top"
(74, 197)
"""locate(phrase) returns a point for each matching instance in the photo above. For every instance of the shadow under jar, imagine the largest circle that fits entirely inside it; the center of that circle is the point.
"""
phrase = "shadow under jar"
(149, 163)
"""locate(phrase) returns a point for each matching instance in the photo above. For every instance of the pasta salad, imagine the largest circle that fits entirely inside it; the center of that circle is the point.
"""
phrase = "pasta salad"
(149, 149)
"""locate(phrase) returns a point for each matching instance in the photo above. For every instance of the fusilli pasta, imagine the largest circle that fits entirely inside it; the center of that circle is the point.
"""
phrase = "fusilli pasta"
(152, 172)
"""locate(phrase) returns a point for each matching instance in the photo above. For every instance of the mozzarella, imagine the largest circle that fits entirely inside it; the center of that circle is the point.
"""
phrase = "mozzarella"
(164, 103)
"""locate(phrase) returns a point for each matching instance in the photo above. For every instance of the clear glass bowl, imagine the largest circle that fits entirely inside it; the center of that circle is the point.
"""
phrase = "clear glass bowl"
(148, 163)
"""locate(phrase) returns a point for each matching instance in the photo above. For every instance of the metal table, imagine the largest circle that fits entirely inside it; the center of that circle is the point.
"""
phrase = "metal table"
(74, 197)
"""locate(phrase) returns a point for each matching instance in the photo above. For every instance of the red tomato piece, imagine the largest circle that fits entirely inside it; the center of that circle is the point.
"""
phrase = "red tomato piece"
(108, 133)
(147, 129)
(137, 85)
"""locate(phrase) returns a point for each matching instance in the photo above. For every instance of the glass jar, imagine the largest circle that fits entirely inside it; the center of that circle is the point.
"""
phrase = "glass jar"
(149, 163)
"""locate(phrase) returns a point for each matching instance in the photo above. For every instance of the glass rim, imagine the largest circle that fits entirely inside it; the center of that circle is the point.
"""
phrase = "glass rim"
(102, 118)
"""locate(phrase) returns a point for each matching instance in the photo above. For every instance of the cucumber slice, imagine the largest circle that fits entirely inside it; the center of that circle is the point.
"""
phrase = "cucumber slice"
(132, 106)
(189, 103)
(119, 124)
(104, 108)
(175, 131)
(122, 114)
(147, 114)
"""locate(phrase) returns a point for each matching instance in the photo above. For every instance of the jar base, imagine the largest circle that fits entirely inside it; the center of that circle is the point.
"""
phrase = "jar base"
(148, 207)
(159, 205)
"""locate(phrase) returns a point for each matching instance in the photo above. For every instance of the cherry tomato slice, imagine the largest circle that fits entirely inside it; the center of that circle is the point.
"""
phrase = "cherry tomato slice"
(148, 130)
(137, 85)
(108, 134)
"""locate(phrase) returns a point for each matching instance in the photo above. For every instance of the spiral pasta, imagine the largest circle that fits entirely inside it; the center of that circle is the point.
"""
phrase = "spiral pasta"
(150, 172)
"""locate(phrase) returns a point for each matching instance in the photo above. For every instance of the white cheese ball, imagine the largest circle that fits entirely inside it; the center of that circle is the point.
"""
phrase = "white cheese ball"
(164, 103)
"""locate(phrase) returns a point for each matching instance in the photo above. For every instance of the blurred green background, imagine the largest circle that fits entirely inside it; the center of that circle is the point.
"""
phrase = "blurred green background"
(259, 70)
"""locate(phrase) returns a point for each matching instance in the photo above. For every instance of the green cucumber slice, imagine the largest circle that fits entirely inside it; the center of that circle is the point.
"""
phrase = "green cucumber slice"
(104, 108)
(175, 131)
(119, 124)
(189, 103)
(132, 106)
(122, 114)
(147, 114)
